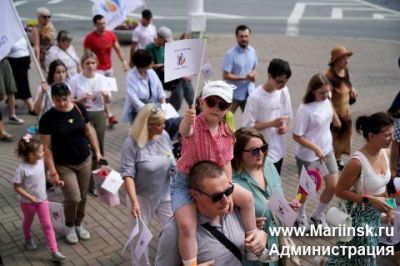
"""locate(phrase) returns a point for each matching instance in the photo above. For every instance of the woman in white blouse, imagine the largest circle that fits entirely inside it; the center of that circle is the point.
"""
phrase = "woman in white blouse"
(314, 143)
(65, 52)
(88, 89)
(142, 85)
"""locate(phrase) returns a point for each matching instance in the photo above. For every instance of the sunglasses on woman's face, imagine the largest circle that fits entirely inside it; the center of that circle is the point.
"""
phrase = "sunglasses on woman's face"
(219, 196)
(256, 151)
(213, 101)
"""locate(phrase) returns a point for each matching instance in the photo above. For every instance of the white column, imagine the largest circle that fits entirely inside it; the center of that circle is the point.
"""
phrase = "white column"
(196, 23)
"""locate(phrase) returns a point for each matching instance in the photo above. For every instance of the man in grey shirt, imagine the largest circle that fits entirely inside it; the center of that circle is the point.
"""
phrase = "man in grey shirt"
(211, 190)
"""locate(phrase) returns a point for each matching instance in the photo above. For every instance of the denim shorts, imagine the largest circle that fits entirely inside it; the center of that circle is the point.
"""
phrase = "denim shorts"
(180, 192)
(330, 163)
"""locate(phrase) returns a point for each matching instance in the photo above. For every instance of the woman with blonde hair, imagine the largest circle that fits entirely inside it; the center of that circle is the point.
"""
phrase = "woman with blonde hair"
(88, 89)
(146, 164)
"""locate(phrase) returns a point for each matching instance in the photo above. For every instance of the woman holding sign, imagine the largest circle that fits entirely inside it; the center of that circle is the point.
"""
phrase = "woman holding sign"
(146, 164)
(256, 173)
(88, 89)
(314, 142)
(363, 185)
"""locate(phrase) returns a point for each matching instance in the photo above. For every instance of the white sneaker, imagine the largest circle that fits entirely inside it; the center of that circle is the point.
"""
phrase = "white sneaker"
(265, 257)
(15, 120)
(302, 221)
(57, 256)
(70, 235)
(319, 220)
(82, 232)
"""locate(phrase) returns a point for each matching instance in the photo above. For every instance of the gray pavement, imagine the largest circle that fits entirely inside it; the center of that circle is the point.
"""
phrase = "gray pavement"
(374, 72)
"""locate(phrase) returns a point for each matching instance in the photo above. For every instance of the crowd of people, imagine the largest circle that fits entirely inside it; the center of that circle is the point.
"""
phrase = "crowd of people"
(211, 201)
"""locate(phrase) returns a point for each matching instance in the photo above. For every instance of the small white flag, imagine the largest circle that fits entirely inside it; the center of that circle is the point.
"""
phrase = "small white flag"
(143, 240)
(114, 11)
(57, 213)
(182, 58)
(11, 29)
(134, 231)
(320, 166)
(109, 84)
(307, 183)
(281, 209)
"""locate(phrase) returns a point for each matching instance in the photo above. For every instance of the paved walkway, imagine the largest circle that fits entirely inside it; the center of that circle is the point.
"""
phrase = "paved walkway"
(374, 72)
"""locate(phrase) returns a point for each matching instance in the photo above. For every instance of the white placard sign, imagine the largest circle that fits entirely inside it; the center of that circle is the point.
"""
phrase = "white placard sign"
(320, 167)
(57, 213)
(143, 240)
(182, 58)
(10, 30)
(281, 209)
(307, 183)
(113, 182)
(109, 84)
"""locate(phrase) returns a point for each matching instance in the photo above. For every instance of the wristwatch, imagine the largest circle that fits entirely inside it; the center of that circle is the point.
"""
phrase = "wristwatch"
(365, 199)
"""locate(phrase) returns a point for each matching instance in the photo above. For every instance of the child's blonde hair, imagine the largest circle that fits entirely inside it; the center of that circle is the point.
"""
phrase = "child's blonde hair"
(26, 146)
(150, 114)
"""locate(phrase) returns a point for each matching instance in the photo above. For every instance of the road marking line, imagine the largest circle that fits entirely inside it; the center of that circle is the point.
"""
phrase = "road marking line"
(19, 3)
(292, 27)
(360, 8)
(378, 16)
(337, 13)
(332, 4)
(78, 17)
(297, 13)
(53, 2)
(220, 15)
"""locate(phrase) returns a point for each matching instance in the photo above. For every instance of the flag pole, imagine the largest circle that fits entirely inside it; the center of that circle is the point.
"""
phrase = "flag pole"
(28, 42)
(198, 74)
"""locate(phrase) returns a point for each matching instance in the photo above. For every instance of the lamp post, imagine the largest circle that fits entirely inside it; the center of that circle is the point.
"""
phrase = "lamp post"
(196, 23)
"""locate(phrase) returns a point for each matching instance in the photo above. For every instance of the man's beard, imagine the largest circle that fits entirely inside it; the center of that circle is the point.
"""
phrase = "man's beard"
(243, 45)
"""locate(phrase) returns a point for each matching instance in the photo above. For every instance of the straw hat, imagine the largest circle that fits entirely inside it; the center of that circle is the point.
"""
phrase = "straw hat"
(339, 52)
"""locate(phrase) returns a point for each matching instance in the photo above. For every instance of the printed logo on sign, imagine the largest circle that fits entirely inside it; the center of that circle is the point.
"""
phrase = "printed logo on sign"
(111, 5)
(281, 210)
(181, 59)
(3, 40)
(56, 215)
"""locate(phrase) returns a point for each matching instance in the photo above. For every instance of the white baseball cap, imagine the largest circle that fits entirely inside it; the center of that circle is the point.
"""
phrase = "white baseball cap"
(218, 88)
(166, 33)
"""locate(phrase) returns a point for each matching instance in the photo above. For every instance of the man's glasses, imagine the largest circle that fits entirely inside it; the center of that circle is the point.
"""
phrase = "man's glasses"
(219, 195)
(213, 101)
(46, 17)
(256, 151)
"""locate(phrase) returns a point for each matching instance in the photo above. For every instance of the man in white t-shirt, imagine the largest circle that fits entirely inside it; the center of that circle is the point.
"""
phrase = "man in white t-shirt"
(144, 33)
(269, 110)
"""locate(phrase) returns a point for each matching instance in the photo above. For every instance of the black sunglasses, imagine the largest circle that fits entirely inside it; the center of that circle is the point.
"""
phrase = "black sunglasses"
(256, 151)
(213, 101)
(47, 17)
(219, 195)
